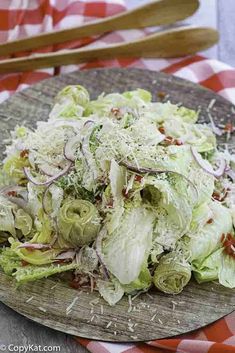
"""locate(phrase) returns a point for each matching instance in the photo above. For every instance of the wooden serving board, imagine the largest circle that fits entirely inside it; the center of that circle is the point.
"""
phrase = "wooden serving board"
(151, 316)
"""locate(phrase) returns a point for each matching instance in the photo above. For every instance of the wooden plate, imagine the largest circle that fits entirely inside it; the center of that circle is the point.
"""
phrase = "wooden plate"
(151, 316)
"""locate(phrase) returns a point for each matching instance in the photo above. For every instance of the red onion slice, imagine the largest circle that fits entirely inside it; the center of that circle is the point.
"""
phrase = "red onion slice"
(66, 255)
(70, 148)
(88, 122)
(18, 201)
(34, 246)
(208, 169)
(48, 181)
(143, 170)
(11, 188)
(231, 174)
(217, 131)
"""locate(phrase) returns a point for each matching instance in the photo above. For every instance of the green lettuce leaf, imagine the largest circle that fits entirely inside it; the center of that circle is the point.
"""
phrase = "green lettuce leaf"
(172, 273)
(33, 273)
(111, 290)
(209, 268)
(70, 103)
(78, 223)
(173, 200)
(9, 261)
(143, 282)
(227, 271)
(23, 222)
(217, 266)
(208, 239)
(7, 220)
(197, 135)
(35, 257)
(126, 249)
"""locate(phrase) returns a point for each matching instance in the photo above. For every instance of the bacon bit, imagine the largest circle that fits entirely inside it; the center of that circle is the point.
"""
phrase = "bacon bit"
(229, 244)
(169, 140)
(161, 129)
(110, 204)
(209, 221)
(216, 196)
(98, 198)
(220, 197)
(12, 193)
(178, 143)
(24, 153)
(125, 193)
(24, 263)
(74, 284)
(138, 178)
(229, 127)
(161, 95)
(79, 282)
(115, 111)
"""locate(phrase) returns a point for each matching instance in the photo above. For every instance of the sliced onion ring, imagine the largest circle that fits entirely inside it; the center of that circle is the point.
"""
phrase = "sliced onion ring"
(231, 174)
(18, 201)
(216, 173)
(48, 181)
(9, 188)
(143, 170)
(69, 150)
(66, 255)
(34, 246)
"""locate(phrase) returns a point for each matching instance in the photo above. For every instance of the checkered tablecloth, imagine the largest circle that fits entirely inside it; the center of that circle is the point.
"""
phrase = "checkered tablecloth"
(19, 18)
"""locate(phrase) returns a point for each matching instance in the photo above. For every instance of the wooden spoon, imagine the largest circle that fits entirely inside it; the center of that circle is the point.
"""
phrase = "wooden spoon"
(155, 13)
(171, 43)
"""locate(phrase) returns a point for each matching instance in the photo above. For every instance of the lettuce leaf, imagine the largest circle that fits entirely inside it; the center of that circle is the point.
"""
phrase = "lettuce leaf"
(78, 223)
(208, 239)
(7, 220)
(111, 290)
(9, 261)
(126, 249)
(172, 273)
(70, 103)
(143, 282)
(35, 257)
(33, 273)
(218, 266)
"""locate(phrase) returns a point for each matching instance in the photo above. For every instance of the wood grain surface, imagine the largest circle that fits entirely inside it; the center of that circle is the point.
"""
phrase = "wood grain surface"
(197, 306)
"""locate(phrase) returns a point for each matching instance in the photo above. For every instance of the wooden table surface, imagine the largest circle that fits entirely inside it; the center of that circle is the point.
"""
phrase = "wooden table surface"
(17, 330)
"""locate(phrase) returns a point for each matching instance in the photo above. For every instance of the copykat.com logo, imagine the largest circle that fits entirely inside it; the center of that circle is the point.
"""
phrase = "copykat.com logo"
(27, 348)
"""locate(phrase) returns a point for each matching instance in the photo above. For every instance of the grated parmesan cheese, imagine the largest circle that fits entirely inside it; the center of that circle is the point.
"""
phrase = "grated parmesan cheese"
(72, 304)
(29, 300)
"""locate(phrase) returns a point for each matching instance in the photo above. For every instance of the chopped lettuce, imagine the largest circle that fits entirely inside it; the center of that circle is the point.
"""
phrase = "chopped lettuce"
(70, 103)
(34, 257)
(143, 282)
(217, 266)
(126, 249)
(33, 273)
(111, 290)
(172, 273)
(78, 223)
(9, 261)
(208, 239)
(7, 220)
(121, 196)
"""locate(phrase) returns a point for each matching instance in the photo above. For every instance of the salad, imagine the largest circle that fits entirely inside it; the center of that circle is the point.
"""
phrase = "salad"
(122, 193)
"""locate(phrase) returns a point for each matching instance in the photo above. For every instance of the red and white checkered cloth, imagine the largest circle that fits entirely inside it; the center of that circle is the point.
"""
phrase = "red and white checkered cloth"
(20, 18)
